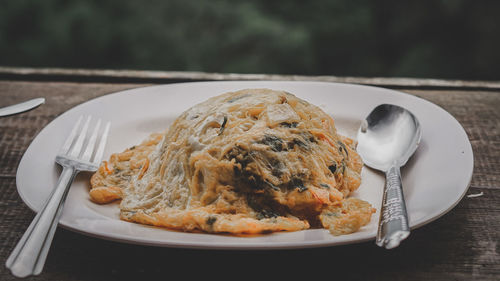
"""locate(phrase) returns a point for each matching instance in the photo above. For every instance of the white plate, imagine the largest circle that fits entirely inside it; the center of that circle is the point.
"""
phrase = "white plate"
(435, 178)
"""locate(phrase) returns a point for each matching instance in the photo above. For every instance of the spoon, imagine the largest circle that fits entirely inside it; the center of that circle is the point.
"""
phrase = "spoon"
(386, 140)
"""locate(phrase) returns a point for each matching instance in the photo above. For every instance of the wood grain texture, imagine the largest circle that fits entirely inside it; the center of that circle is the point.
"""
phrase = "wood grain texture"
(124, 75)
(461, 245)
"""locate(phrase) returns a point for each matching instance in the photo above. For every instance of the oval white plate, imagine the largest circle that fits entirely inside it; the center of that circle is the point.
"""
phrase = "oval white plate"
(435, 178)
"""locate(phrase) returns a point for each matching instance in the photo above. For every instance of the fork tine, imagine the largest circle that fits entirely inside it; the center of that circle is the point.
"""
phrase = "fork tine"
(102, 143)
(71, 137)
(75, 151)
(90, 145)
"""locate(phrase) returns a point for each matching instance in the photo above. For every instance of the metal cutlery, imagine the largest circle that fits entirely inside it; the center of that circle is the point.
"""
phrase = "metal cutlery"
(386, 140)
(21, 107)
(28, 257)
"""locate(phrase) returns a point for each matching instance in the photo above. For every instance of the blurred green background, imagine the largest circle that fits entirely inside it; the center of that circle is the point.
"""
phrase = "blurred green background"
(437, 39)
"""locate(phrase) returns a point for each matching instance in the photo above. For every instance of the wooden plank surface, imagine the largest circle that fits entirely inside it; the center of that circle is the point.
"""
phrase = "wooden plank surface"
(461, 245)
(138, 76)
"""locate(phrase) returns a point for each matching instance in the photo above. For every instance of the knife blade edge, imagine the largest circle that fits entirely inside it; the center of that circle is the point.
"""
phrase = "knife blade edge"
(21, 107)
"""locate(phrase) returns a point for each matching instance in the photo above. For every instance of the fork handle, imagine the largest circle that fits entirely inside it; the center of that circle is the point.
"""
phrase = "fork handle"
(28, 257)
(393, 224)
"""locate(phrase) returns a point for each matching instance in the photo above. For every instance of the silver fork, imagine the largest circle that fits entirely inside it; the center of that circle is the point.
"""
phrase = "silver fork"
(28, 257)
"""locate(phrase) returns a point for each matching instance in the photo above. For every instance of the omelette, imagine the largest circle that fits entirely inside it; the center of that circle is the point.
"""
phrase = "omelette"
(251, 161)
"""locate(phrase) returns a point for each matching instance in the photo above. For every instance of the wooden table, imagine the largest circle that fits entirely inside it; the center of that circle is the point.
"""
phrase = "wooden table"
(461, 245)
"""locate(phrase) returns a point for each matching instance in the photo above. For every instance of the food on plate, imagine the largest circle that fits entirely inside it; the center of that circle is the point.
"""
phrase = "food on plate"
(251, 161)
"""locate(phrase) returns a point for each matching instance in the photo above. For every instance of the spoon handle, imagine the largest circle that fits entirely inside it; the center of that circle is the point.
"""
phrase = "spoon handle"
(393, 224)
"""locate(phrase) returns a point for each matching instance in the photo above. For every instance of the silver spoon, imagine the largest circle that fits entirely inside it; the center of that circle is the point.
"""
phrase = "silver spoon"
(386, 140)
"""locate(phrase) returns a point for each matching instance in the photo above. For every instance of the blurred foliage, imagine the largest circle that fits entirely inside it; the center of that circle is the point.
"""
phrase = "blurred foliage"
(440, 39)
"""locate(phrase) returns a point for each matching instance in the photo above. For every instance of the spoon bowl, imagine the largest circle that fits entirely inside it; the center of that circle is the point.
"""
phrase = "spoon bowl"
(389, 134)
(386, 140)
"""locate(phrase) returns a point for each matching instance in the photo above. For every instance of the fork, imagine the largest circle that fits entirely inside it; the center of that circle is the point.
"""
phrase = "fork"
(28, 257)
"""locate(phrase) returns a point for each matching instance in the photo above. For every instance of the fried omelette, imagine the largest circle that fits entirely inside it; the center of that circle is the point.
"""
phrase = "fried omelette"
(251, 161)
